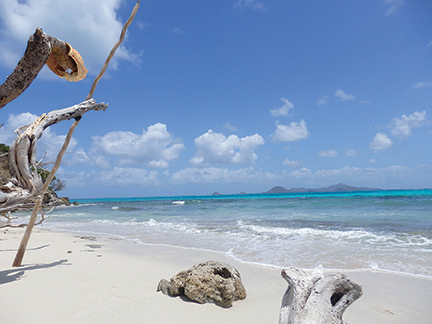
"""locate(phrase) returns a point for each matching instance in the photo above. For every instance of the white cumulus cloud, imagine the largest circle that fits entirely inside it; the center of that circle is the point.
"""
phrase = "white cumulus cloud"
(394, 176)
(128, 176)
(380, 142)
(351, 152)
(329, 153)
(290, 133)
(251, 4)
(91, 27)
(292, 164)
(77, 156)
(299, 174)
(402, 126)
(215, 148)
(284, 110)
(343, 96)
(220, 175)
(155, 147)
(74, 179)
(178, 31)
(323, 101)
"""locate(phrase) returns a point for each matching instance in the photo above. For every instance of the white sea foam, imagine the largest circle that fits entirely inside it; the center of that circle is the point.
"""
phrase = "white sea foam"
(178, 202)
(340, 234)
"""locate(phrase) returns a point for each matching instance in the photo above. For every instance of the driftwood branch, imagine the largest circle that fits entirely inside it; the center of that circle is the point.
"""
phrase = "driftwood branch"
(42, 49)
(8, 216)
(313, 298)
(25, 181)
(38, 201)
(35, 57)
(25, 224)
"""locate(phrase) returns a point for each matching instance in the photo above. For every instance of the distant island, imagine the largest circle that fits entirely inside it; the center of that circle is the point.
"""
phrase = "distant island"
(340, 187)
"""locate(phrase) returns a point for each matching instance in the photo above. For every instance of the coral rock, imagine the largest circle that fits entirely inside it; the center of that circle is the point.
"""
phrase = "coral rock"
(208, 282)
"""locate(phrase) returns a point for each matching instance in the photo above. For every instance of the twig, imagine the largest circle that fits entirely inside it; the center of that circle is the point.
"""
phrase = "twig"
(8, 216)
(24, 224)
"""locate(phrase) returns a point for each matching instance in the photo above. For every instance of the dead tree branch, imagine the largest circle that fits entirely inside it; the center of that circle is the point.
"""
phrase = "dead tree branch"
(35, 56)
(38, 201)
(42, 49)
(25, 224)
(25, 183)
(8, 216)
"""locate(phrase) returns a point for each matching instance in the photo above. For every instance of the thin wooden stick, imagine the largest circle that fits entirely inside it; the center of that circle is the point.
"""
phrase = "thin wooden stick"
(114, 49)
(24, 241)
(20, 254)
(23, 245)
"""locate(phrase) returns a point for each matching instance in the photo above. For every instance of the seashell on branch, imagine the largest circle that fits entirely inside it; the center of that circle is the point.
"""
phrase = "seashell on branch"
(66, 62)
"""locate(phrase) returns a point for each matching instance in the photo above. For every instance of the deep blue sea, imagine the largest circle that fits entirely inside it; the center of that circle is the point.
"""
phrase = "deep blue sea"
(387, 230)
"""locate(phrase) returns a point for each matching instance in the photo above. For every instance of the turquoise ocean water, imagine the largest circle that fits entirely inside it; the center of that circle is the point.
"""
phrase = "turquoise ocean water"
(388, 230)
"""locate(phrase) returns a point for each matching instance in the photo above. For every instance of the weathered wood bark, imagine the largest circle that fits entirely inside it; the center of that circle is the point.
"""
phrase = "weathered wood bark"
(35, 56)
(25, 183)
(312, 298)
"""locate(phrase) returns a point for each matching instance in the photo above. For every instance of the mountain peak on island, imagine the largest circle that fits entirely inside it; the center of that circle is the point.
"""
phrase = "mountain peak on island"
(340, 187)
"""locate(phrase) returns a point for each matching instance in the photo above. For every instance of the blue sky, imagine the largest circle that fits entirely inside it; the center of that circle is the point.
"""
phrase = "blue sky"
(232, 95)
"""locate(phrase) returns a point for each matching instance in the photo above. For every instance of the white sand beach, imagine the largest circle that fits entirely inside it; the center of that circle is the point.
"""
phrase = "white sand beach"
(69, 278)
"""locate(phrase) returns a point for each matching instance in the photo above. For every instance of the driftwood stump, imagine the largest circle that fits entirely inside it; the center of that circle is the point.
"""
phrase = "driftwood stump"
(313, 298)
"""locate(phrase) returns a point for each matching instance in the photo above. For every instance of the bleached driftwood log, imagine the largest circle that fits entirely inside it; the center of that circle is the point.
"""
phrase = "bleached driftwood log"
(313, 298)
(25, 183)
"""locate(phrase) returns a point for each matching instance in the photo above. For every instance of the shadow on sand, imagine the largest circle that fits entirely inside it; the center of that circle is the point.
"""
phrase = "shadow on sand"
(15, 274)
(32, 249)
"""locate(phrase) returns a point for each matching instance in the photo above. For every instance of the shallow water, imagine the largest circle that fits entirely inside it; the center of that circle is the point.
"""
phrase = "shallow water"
(387, 230)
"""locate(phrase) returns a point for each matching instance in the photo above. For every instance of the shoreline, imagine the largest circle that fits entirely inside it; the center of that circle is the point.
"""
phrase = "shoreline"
(107, 279)
(229, 255)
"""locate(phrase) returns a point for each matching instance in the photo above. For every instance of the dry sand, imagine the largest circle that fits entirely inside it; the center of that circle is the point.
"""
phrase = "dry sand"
(68, 278)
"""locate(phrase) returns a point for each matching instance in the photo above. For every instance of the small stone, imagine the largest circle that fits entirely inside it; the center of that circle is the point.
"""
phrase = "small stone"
(69, 251)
